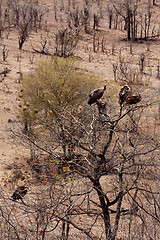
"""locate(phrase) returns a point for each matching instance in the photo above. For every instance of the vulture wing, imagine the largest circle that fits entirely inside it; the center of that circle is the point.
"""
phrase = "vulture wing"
(124, 93)
(93, 92)
(96, 95)
(19, 193)
(133, 99)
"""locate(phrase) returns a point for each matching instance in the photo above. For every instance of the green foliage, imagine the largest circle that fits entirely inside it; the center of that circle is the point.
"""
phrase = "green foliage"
(56, 85)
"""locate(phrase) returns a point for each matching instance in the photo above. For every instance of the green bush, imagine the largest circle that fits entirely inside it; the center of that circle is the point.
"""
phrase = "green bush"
(55, 86)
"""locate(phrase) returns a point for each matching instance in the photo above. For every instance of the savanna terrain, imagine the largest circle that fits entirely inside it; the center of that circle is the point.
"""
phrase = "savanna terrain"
(104, 51)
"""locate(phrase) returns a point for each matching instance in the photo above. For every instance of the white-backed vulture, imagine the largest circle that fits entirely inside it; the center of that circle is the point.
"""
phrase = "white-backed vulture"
(124, 93)
(96, 95)
(19, 193)
(133, 99)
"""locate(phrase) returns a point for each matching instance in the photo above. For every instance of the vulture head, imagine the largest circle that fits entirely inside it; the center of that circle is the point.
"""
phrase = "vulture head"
(124, 93)
(96, 95)
(19, 193)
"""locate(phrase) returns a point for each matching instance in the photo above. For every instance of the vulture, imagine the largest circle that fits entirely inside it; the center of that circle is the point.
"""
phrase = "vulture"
(19, 193)
(96, 95)
(124, 93)
(133, 99)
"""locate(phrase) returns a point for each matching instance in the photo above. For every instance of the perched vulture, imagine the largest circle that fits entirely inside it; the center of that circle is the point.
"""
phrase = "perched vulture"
(133, 99)
(96, 95)
(124, 93)
(19, 193)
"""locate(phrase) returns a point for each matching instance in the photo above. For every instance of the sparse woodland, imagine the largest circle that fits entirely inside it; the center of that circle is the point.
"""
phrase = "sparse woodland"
(86, 171)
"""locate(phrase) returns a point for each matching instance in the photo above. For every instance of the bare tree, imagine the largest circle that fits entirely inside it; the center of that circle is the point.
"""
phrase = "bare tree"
(95, 21)
(128, 11)
(66, 41)
(75, 18)
(136, 17)
(114, 65)
(141, 64)
(1, 20)
(55, 10)
(5, 52)
(26, 17)
(158, 70)
(95, 163)
(110, 13)
(86, 18)
(154, 2)
(125, 155)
